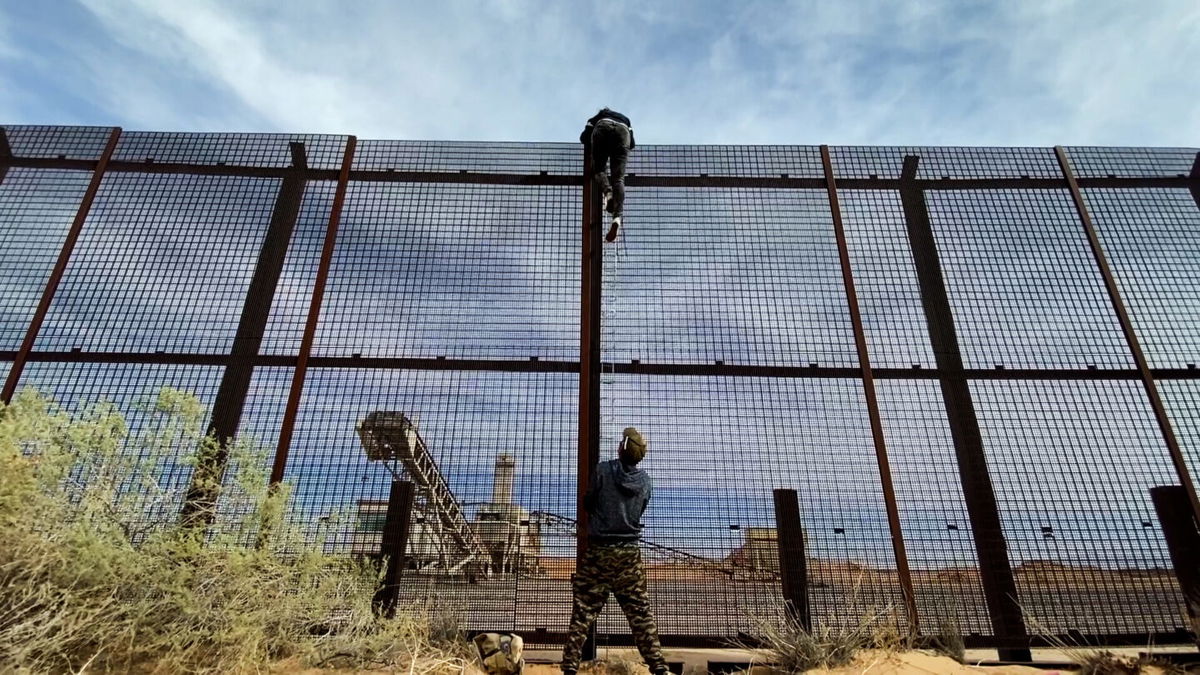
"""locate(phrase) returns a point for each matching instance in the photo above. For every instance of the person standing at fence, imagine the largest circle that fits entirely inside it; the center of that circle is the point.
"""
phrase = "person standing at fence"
(609, 137)
(615, 501)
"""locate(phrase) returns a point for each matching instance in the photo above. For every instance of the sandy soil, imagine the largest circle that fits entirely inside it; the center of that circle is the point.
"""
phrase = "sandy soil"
(888, 663)
(868, 662)
(873, 662)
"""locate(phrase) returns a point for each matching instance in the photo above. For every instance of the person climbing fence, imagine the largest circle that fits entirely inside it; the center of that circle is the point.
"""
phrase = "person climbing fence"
(608, 136)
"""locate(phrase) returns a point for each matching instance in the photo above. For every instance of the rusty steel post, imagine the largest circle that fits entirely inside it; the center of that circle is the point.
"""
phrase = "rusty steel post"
(288, 426)
(1182, 534)
(591, 269)
(793, 566)
(1181, 531)
(6, 155)
(868, 380)
(1135, 348)
(1194, 188)
(235, 381)
(60, 267)
(995, 569)
(394, 547)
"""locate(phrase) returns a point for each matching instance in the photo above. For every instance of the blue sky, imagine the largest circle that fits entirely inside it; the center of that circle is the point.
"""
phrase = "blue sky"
(938, 73)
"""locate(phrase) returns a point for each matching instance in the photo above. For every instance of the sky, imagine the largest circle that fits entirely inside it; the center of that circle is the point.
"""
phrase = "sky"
(959, 72)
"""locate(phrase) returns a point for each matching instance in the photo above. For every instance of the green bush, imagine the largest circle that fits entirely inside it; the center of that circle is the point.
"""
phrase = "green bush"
(97, 573)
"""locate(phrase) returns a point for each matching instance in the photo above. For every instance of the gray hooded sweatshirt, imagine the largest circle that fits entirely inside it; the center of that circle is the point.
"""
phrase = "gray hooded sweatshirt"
(615, 501)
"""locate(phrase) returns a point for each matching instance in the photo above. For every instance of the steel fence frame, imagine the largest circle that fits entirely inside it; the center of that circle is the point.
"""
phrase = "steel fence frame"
(954, 379)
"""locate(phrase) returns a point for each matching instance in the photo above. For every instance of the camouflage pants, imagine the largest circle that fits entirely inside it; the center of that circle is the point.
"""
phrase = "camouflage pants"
(617, 569)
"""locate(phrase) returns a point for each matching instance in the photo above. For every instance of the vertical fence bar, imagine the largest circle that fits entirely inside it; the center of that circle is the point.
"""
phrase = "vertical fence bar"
(592, 265)
(868, 380)
(793, 566)
(5, 155)
(60, 267)
(288, 426)
(235, 382)
(1135, 348)
(1195, 176)
(589, 347)
(1182, 533)
(394, 546)
(995, 569)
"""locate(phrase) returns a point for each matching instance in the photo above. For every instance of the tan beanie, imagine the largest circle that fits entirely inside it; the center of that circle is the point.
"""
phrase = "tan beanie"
(635, 444)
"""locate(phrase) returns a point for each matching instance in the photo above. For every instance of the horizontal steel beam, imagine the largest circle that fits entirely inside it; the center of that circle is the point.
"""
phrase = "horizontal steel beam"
(167, 358)
(782, 182)
(467, 177)
(501, 365)
(536, 365)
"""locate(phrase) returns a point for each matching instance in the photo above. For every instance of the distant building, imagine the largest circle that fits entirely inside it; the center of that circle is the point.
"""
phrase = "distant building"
(760, 551)
(511, 541)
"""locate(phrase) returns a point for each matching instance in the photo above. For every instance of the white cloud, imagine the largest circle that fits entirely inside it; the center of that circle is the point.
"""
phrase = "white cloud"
(1119, 72)
(765, 72)
(7, 50)
(8, 54)
(215, 45)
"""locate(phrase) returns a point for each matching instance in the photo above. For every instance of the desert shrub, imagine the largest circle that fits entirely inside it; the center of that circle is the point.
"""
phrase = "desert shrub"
(790, 648)
(947, 640)
(97, 573)
(1091, 660)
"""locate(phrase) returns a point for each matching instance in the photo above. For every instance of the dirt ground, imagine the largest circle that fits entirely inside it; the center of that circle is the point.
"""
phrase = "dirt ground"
(876, 663)
(872, 662)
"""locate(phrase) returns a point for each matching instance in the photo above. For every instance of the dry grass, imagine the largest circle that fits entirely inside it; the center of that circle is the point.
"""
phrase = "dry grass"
(947, 641)
(1091, 661)
(96, 575)
(1097, 661)
(790, 648)
(616, 665)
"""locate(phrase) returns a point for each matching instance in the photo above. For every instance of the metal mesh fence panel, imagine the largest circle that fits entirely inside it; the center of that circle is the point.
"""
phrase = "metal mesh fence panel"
(257, 150)
(494, 471)
(77, 385)
(718, 447)
(43, 142)
(133, 389)
(887, 162)
(36, 209)
(741, 161)
(163, 264)
(556, 159)
(1152, 240)
(885, 279)
(1073, 464)
(1090, 162)
(933, 513)
(741, 276)
(434, 270)
(1182, 400)
(1022, 283)
(284, 328)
